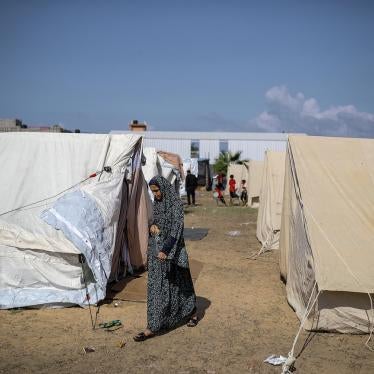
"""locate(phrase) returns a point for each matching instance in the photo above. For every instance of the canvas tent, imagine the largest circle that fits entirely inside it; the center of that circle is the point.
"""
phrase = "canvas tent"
(271, 198)
(172, 168)
(73, 210)
(254, 181)
(239, 171)
(327, 232)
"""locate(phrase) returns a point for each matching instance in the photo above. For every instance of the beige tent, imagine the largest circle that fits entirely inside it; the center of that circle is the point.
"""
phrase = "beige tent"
(327, 234)
(239, 171)
(271, 196)
(254, 181)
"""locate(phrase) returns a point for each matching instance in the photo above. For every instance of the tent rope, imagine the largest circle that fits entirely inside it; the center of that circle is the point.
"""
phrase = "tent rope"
(291, 359)
(371, 323)
(266, 245)
(82, 260)
(54, 196)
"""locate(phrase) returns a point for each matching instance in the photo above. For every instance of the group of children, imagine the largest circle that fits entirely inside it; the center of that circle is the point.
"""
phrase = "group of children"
(232, 189)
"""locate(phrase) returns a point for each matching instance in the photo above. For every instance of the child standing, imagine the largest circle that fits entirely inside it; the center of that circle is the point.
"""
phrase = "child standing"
(232, 188)
(244, 193)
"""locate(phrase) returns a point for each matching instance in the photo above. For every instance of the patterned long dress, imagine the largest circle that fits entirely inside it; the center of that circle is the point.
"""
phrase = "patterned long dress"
(171, 296)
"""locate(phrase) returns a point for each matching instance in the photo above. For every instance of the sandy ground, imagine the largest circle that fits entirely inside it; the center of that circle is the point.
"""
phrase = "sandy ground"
(245, 318)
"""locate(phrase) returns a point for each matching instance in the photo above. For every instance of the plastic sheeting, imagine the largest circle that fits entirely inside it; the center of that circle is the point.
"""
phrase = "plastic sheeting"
(151, 168)
(171, 168)
(192, 165)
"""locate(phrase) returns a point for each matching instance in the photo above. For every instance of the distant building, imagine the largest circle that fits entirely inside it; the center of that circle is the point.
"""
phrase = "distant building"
(7, 125)
(208, 145)
(14, 125)
(137, 126)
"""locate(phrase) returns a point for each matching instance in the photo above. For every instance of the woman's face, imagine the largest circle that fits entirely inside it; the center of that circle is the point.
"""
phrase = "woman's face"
(156, 192)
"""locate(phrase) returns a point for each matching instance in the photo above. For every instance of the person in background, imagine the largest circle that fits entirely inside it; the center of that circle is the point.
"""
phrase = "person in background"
(232, 188)
(218, 193)
(220, 178)
(224, 181)
(244, 193)
(170, 295)
(191, 185)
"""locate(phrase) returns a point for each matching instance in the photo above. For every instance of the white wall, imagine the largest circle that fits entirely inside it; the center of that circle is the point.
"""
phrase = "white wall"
(255, 149)
(251, 149)
(182, 147)
(209, 149)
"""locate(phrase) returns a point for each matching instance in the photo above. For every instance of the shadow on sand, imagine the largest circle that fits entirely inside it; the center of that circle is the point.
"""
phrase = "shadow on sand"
(202, 305)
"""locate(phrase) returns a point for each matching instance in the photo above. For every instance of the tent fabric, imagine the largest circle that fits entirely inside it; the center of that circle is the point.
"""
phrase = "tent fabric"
(254, 181)
(192, 165)
(239, 171)
(162, 163)
(139, 217)
(151, 167)
(271, 198)
(174, 160)
(327, 231)
(171, 167)
(71, 206)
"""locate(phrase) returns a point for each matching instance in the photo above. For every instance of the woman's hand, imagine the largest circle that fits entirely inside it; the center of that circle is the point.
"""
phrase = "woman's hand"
(162, 256)
(154, 230)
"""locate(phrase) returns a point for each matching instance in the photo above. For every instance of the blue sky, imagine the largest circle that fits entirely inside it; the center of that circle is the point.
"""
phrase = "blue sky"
(190, 65)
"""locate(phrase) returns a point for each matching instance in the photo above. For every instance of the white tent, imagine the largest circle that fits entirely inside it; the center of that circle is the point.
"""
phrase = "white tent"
(73, 215)
(271, 197)
(254, 181)
(152, 165)
(192, 165)
(327, 234)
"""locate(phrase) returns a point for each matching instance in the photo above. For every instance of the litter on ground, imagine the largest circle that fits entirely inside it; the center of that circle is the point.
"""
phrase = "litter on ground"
(276, 360)
(233, 233)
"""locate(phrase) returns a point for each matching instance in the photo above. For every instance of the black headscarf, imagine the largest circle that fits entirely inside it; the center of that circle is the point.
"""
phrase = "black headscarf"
(168, 215)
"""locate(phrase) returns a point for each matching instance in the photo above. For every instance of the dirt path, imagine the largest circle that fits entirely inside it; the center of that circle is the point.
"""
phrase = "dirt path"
(245, 319)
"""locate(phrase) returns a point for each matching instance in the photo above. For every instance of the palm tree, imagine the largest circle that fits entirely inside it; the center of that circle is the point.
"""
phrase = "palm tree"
(224, 159)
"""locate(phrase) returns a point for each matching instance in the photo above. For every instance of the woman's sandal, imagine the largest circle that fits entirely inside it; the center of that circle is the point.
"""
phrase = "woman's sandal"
(193, 322)
(141, 337)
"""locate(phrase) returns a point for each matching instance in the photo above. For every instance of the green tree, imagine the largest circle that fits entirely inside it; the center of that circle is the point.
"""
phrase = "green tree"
(224, 159)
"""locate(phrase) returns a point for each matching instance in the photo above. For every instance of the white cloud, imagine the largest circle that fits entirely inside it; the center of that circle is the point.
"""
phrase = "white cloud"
(299, 114)
(268, 122)
(279, 95)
